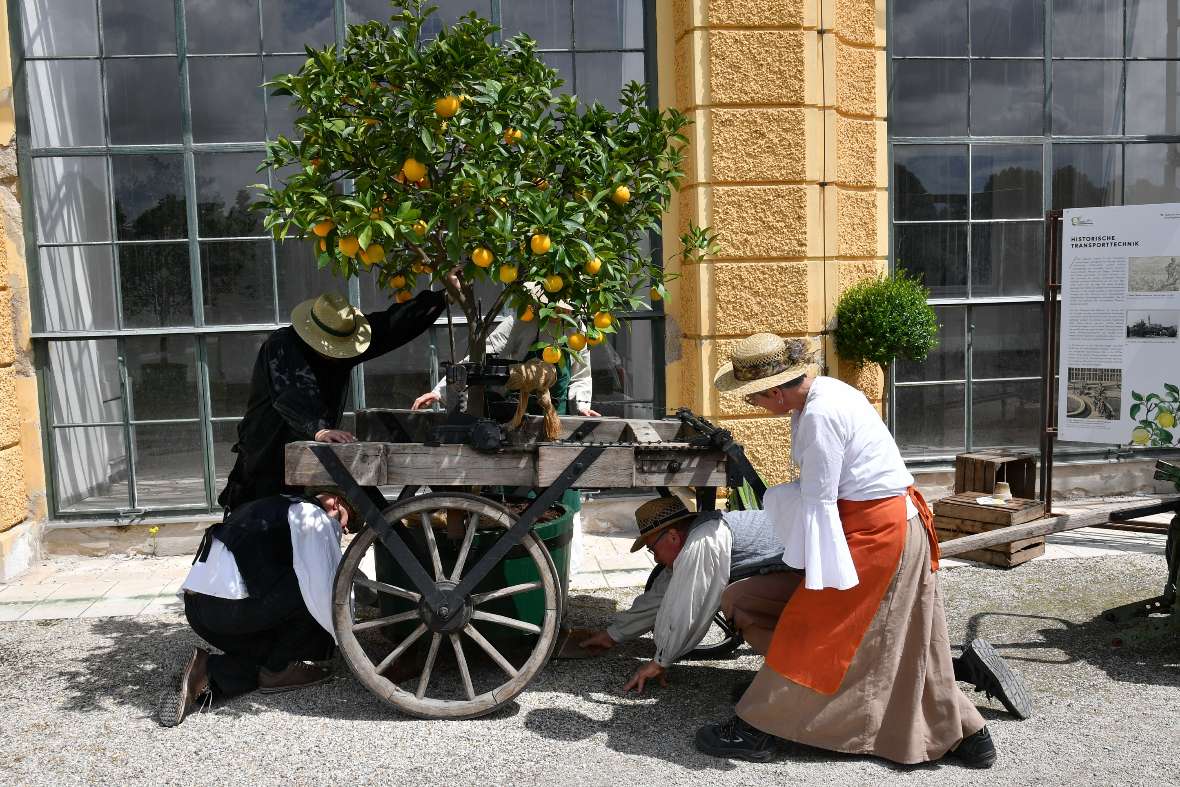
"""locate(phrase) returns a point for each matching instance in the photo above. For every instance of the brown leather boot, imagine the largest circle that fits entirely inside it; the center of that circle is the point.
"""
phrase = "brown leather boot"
(190, 693)
(295, 675)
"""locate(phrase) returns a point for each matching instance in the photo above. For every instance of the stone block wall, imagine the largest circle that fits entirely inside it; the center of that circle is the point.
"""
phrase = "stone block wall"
(787, 163)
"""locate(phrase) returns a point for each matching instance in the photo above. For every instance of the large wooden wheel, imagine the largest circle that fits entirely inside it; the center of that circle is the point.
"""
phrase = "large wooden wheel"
(402, 657)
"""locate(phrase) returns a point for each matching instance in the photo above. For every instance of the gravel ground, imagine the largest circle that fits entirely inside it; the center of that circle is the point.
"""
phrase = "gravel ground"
(77, 697)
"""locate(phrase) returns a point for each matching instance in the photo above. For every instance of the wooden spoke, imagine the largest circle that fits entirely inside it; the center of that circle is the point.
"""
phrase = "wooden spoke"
(506, 621)
(431, 543)
(490, 649)
(492, 595)
(468, 537)
(389, 590)
(464, 673)
(400, 649)
(400, 617)
(424, 681)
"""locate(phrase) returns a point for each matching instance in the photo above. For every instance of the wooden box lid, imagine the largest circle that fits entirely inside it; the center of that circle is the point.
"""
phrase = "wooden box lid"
(1013, 512)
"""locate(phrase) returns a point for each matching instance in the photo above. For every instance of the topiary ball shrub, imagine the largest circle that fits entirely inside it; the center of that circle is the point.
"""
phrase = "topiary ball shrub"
(880, 320)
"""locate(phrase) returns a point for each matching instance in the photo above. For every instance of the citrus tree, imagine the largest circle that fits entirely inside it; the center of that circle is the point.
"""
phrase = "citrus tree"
(421, 156)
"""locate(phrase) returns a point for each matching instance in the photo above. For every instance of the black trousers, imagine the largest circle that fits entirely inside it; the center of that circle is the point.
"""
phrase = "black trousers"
(271, 631)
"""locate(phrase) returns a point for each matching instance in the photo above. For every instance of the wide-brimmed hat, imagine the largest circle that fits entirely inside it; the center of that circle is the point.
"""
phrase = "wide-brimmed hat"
(762, 361)
(655, 516)
(332, 326)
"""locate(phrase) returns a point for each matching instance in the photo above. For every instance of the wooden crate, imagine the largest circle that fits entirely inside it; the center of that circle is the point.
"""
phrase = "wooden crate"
(979, 472)
(959, 515)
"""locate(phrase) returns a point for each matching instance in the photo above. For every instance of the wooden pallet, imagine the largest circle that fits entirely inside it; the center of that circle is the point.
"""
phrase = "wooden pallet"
(959, 515)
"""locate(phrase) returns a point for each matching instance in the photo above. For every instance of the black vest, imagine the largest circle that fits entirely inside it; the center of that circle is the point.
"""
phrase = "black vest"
(258, 535)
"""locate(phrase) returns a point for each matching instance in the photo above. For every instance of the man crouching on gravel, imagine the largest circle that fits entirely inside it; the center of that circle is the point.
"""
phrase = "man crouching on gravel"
(260, 590)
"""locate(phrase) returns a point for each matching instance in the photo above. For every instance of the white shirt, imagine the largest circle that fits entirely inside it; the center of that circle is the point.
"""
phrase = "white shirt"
(315, 550)
(844, 452)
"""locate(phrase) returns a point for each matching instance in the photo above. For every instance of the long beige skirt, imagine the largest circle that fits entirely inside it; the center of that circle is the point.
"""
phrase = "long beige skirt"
(899, 699)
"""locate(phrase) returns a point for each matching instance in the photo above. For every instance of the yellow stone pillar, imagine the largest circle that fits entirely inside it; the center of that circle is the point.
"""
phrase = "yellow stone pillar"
(787, 165)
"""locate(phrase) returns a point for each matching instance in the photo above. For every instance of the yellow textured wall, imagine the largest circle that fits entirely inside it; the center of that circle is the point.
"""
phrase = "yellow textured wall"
(787, 163)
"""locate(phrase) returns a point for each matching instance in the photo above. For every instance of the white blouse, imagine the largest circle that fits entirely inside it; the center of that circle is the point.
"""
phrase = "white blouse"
(844, 452)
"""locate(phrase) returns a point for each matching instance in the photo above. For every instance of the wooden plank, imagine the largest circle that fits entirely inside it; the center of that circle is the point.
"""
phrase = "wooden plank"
(374, 464)
(1003, 560)
(614, 467)
(641, 432)
(366, 462)
(1005, 549)
(669, 467)
(1014, 511)
(960, 475)
(965, 526)
(1039, 527)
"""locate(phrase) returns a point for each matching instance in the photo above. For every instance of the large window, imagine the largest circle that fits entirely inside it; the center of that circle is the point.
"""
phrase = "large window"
(999, 110)
(142, 123)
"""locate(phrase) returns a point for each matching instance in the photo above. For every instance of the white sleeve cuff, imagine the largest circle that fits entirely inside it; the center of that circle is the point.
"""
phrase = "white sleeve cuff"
(813, 538)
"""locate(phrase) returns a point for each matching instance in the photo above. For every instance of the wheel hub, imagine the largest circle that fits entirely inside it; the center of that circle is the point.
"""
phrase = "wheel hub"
(452, 615)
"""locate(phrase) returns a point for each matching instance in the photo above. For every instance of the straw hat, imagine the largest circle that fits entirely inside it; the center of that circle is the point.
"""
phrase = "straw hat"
(654, 516)
(332, 326)
(762, 361)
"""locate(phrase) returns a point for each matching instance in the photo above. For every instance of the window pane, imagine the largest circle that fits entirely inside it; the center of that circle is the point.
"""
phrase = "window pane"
(281, 111)
(1007, 28)
(1087, 97)
(226, 95)
(1152, 93)
(64, 108)
(935, 252)
(929, 98)
(90, 469)
(1153, 28)
(398, 378)
(608, 24)
(621, 368)
(100, 399)
(914, 21)
(77, 288)
(1006, 341)
(156, 285)
(930, 182)
(224, 195)
(143, 101)
(169, 465)
(72, 202)
(1007, 97)
(563, 64)
(149, 197)
(1006, 414)
(929, 419)
(447, 14)
(1006, 181)
(237, 281)
(1007, 258)
(162, 373)
(60, 28)
(548, 21)
(1087, 176)
(231, 359)
(602, 75)
(946, 361)
(288, 26)
(300, 279)
(225, 436)
(1153, 174)
(1088, 28)
(138, 27)
(221, 26)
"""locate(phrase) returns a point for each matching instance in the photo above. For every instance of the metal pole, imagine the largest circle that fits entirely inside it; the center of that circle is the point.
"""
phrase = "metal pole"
(1049, 351)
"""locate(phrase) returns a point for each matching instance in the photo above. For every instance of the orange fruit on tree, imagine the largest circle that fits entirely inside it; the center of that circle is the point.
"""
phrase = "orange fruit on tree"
(603, 320)
(551, 354)
(528, 314)
(323, 227)
(553, 283)
(348, 245)
(323, 244)
(541, 184)
(482, 257)
(398, 282)
(508, 273)
(373, 254)
(315, 163)
(423, 182)
(420, 228)
(593, 266)
(377, 212)
(446, 106)
(621, 195)
(654, 292)
(370, 121)
(413, 170)
(540, 243)
(596, 338)
(403, 296)
(577, 341)
(512, 136)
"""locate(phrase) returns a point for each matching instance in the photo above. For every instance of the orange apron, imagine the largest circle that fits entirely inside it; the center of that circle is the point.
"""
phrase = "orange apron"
(820, 630)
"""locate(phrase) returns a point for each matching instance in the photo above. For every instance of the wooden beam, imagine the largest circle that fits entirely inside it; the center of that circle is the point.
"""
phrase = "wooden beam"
(1038, 527)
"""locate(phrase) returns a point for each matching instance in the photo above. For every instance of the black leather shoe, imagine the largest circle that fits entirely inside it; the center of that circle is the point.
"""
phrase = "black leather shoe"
(976, 751)
(736, 739)
(981, 666)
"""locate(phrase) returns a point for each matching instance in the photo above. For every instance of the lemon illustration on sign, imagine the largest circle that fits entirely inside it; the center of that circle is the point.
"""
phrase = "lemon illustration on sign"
(593, 266)
(621, 195)
(403, 296)
(1139, 435)
(348, 245)
(508, 273)
(551, 354)
(528, 314)
(1166, 419)
(553, 283)
(603, 320)
(540, 244)
(446, 106)
(420, 228)
(413, 170)
(577, 341)
(398, 282)
(373, 254)
(322, 228)
(482, 257)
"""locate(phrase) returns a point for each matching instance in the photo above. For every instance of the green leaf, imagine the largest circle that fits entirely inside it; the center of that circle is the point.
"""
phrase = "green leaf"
(365, 236)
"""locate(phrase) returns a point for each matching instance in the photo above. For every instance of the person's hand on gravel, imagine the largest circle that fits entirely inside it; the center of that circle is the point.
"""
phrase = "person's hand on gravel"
(648, 671)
